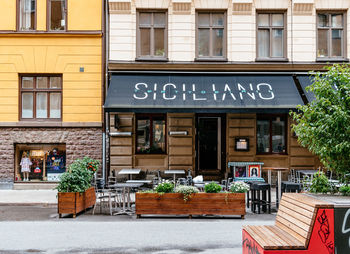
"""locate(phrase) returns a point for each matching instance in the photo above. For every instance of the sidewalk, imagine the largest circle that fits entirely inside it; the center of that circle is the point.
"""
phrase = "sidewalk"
(28, 197)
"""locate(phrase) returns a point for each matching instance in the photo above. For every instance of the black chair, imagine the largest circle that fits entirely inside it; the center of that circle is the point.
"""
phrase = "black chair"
(261, 197)
(287, 186)
(249, 197)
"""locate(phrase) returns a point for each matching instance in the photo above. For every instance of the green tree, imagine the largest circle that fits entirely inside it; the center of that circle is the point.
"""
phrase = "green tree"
(323, 125)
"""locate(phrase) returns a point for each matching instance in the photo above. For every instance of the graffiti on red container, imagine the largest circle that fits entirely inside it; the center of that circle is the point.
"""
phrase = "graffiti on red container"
(251, 246)
(324, 231)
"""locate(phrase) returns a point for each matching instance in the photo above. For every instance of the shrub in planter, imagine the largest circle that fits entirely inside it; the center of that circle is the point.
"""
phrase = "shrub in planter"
(320, 183)
(212, 188)
(345, 190)
(79, 176)
(75, 193)
(239, 187)
(165, 187)
(187, 191)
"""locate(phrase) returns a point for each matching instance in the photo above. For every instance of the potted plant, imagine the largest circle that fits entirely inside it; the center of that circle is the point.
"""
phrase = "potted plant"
(75, 193)
(187, 200)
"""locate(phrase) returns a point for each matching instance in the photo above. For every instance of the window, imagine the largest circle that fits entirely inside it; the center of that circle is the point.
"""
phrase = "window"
(41, 97)
(271, 135)
(271, 36)
(27, 15)
(151, 134)
(330, 35)
(152, 35)
(39, 162)
(211, 35)
(57, 15)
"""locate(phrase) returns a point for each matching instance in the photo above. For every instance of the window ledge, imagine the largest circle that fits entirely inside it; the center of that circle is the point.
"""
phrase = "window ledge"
(330, 59)
(151, 59)
(210, 59)
(271, 60)
(50, 124)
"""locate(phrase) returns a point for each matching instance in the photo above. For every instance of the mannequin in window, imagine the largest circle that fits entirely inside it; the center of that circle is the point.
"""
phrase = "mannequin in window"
(25, 166)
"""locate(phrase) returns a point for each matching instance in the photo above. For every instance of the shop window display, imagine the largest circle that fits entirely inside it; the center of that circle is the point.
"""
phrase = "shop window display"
(40, 162)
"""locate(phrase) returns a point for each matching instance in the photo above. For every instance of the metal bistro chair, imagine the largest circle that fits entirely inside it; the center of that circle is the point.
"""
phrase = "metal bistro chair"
(105, 197)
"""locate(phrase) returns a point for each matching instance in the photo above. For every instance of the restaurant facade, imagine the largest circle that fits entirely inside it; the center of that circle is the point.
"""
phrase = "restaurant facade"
(51, 83)
(195, 85)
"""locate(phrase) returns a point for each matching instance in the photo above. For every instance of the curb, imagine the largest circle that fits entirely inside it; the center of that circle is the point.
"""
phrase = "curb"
(46, 205)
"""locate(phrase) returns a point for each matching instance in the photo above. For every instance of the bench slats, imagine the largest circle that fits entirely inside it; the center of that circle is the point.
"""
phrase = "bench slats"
(296, 214)
(308, 200)
(294, 223)
(295, 243)
(299, 204)
(296, 208)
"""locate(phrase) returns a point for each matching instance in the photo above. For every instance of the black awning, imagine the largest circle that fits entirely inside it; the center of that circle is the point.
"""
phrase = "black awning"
(306, 80)
(201, 91)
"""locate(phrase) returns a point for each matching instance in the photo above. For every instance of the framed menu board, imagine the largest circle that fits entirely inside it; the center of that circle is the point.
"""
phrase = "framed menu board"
(241, 144)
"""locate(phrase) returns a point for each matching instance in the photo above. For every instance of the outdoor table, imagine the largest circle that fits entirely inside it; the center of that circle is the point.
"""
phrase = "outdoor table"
(174, 172)
(130, 172)
(126, 194)
(139, 181)
(249, 179)
(309, 172)
(279, 177)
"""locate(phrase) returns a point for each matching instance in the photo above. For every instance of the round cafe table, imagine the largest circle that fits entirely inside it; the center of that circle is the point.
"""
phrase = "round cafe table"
(279, 171)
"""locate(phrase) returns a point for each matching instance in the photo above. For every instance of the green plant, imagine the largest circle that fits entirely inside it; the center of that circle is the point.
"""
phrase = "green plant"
(212, 188)
(320, 183)
(187, 191)
(165, 187)
(239, 187)
(323, 125)
(79, 176)
(345, 190)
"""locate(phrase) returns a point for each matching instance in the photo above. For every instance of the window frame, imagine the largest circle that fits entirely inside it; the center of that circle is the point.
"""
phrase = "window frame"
(35, 90)
(138, 36)
(329, 39)
(18, 19)
(270, 118)
(150, 116)
(284, 58)
(48, 17)
(224, 50)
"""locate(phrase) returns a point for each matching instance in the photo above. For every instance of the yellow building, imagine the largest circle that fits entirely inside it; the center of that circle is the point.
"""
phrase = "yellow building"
(51, 76)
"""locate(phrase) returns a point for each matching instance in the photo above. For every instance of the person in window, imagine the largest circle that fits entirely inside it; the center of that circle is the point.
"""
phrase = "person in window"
(25, 166)
(280, 148)
(56, 162)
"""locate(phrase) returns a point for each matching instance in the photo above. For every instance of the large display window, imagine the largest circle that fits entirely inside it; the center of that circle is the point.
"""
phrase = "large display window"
(39, 162)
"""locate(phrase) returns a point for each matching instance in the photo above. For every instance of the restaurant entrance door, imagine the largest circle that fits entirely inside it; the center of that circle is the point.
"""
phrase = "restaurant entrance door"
(210, 146)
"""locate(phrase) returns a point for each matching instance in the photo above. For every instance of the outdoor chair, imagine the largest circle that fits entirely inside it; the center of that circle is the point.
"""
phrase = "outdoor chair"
(108, 198)
(292, 177)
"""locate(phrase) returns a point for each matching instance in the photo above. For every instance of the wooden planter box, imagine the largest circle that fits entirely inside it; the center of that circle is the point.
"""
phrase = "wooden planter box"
(197, 204)
(75, 202)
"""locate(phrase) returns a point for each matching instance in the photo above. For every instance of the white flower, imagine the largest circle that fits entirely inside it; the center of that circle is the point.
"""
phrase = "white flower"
(239, 187)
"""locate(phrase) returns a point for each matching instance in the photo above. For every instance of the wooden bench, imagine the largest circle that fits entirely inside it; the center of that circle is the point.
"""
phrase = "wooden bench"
(294, 228)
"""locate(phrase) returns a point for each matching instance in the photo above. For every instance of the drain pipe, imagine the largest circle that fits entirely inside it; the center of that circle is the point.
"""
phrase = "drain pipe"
(106, 43)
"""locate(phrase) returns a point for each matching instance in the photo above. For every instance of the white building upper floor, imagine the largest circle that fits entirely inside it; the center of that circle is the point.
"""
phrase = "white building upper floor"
(229, 30)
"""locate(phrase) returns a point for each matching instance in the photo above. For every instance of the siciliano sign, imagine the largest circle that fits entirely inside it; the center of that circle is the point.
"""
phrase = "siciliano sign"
(201, 91)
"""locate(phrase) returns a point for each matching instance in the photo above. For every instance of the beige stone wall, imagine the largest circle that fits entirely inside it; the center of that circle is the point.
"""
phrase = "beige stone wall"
(241, 29)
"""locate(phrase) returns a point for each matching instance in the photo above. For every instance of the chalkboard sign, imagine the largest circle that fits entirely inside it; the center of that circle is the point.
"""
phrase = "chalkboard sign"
(342, 230)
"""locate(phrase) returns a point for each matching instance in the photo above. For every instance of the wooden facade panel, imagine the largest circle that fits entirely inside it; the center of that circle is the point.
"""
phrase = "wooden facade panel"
(121, 150)
(121, 160)
(188, 122)
(274, 161)
(180, 160)
(302, 161)
(151, 161)
(300, 151)
(232, 152)
(241, 132)
(242, 123)
(294, 142)
(124, 120)
(121, 141)
(180, 141)
(240, 158)
(180, 150)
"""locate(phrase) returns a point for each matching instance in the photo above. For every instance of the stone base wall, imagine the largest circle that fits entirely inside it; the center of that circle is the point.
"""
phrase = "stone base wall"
(79, 142)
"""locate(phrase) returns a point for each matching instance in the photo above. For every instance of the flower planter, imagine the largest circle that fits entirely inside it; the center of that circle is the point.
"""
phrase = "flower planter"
(75, 202)
(197, 204)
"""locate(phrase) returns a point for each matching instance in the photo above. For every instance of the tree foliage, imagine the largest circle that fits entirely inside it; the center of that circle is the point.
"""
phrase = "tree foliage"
(323, 125)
